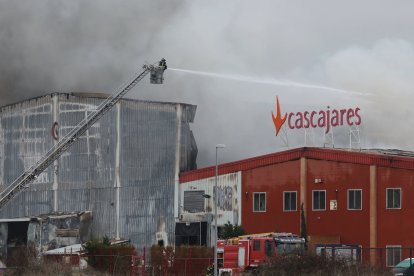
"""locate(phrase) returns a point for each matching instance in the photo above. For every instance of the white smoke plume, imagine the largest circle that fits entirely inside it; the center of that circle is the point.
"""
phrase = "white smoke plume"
(386, 70)
(95, 45)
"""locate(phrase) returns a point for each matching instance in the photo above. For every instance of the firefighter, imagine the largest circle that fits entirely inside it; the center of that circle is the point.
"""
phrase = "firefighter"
(163, 63)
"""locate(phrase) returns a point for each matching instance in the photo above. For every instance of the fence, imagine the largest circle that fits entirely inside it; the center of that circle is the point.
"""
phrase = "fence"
(184, 260)
(384, 257)
(151, 261)
(195, 261)
(140, 266)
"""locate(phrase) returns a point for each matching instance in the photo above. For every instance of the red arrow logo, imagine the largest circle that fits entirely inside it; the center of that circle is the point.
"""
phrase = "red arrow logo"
(278, 121)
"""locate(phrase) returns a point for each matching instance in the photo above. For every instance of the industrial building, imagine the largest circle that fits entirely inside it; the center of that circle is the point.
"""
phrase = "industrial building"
(133, 175)
(358, 197)
(123, 171)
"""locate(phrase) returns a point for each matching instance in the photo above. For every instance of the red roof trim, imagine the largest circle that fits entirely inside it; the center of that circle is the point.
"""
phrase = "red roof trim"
(295, 154)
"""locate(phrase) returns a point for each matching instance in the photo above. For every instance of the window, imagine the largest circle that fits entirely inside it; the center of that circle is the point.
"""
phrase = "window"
(394, 198)
(393, 254)
(194, 201)
(283, 248)
(269, 249)
(256, 245)
(289, 201)
(259, 202)
(318, 200)
(354, 199)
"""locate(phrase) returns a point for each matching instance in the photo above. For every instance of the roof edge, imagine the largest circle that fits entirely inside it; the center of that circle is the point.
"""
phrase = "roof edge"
(336, 155)
(87, 95)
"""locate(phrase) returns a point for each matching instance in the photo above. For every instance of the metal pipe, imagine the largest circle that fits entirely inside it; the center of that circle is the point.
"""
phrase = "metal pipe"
(215, 211)
(117, 167)
(55, 185)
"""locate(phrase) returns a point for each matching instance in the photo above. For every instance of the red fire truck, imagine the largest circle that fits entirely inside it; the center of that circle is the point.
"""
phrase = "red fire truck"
(248, 252)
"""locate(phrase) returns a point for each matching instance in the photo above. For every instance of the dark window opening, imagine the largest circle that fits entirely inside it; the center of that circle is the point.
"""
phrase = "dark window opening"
(289, 201)
(259, 202)
(319, 200)
(256, 245)
(394, 198)
(16, 241)
(354, 199)
(191, 233)
(269, 249)
(17, 233)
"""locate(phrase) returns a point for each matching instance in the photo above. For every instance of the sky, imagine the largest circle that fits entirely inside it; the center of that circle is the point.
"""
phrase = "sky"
(234, 58)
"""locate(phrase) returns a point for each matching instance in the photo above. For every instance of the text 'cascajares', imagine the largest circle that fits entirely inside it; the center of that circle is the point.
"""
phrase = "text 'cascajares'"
(324, 118)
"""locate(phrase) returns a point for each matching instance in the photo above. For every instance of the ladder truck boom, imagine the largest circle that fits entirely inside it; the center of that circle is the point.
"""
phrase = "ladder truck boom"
(22, 182)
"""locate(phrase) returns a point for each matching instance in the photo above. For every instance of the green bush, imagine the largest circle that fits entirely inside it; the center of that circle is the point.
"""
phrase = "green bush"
(231, 231)
(104, 257)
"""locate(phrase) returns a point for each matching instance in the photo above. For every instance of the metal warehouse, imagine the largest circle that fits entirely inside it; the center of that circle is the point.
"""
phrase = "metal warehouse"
(349, 197)
(123, 170)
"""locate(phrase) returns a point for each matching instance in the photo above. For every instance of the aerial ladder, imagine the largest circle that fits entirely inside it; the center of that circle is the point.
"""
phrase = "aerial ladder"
(22, 182)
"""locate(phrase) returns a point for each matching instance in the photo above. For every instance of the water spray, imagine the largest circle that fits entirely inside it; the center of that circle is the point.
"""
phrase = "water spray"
(270, 81)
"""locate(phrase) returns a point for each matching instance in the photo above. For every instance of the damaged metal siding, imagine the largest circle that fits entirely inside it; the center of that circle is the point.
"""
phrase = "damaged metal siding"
(147, 161)
(228, 201)
(140, 191)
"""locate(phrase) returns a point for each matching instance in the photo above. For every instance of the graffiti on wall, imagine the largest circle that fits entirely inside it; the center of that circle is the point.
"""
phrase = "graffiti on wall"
(225, 198)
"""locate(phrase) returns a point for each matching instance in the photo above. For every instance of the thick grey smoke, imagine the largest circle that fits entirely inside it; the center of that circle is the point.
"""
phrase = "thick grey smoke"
(95, 45)
(386, 69)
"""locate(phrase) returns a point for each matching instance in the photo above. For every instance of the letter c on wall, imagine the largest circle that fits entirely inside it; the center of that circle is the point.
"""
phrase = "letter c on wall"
(54, 131)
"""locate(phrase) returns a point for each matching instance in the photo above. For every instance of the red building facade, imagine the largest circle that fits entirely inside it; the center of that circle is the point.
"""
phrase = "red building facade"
(348, 197)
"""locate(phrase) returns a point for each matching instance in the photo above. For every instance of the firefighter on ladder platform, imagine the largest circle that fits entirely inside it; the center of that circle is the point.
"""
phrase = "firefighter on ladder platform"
(163, 64)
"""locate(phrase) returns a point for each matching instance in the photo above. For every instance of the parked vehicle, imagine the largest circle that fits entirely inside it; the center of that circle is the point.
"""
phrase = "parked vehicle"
(347, 252)
(404, 268)
(248, 252)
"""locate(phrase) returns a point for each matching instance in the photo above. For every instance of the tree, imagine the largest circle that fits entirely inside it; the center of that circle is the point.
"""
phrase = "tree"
(303, 228)
(231, 231)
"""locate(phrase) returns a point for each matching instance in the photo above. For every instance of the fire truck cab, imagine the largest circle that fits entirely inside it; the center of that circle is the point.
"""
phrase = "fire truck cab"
(248, 252)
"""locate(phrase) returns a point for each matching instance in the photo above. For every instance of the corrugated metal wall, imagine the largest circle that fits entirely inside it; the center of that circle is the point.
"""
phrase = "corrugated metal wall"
(87, 174)
(24, 138)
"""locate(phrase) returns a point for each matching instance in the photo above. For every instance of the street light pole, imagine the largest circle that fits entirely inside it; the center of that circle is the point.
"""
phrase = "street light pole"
(215, 210)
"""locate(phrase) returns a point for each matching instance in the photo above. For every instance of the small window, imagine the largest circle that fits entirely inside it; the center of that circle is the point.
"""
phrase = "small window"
(259, 202)
(289, 201)
(256, 245)
(354, 199)
(318, 200)
(269, 248)
(393, 254)
(394, 198)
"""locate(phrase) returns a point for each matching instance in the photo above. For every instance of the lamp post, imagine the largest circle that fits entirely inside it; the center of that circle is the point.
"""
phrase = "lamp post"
(215, 211)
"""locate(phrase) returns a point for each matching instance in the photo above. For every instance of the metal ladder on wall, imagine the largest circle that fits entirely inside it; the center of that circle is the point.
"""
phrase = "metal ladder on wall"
(34, 171)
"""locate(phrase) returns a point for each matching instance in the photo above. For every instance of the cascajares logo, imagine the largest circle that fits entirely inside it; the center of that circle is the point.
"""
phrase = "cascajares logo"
(327, 119)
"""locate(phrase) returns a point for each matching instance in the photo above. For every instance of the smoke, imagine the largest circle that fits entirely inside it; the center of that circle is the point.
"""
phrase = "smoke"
(76, 45)
(297, 50)
(386, 70)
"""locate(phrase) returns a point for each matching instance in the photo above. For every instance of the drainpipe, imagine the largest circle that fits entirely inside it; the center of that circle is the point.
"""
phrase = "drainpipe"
(40, 241)
(117, 165)
(55, 163)
(177, 190)
(373, 219)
